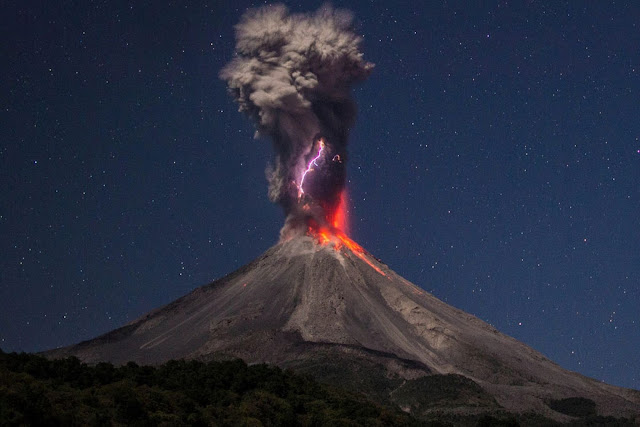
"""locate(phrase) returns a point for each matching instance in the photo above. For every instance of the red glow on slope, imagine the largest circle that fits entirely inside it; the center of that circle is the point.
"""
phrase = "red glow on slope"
(338, 240)
(358, 250)
(324, 238)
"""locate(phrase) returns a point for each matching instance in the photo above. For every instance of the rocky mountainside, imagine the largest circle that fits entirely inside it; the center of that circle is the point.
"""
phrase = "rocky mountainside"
(326, 307)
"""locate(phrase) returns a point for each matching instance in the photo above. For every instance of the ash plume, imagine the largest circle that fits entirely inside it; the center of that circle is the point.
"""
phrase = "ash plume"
(292, 74)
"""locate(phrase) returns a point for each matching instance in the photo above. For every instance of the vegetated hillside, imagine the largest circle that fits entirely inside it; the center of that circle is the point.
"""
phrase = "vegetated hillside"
(37, 391)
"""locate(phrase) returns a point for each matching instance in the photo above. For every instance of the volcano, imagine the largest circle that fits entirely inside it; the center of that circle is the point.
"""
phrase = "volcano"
(321, 304)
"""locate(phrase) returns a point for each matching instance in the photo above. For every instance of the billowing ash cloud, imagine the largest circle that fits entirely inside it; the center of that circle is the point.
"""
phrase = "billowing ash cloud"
(292, 74)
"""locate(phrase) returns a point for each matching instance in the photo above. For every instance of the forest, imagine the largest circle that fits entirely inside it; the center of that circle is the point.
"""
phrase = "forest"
(38, 391)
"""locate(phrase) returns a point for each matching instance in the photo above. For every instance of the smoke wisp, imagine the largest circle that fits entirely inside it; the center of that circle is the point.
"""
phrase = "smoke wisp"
(292, 75)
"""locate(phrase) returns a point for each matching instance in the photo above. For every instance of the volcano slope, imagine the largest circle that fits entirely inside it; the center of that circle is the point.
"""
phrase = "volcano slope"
(332, 310)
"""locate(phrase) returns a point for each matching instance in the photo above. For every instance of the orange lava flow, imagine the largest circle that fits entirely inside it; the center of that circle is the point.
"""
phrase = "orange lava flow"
(338, 239)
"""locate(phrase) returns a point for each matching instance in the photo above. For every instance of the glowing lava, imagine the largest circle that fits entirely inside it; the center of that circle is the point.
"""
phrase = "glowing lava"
(310, 167)
(340, 218)
(339, 240)
(333, 233)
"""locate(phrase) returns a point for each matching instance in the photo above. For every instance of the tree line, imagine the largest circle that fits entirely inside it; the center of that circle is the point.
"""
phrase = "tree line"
(38, 391)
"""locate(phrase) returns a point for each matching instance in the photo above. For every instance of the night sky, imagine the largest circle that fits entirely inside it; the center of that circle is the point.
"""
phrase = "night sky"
(495, 162)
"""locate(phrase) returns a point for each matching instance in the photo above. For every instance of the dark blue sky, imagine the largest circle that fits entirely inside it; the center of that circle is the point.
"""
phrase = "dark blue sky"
(494, 163)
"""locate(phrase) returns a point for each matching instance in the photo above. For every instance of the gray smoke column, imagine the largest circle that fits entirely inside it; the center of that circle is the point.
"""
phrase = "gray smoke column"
(292, 74)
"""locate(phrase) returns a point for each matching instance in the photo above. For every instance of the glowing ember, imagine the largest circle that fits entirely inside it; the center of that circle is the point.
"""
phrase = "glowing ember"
(310, 168)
